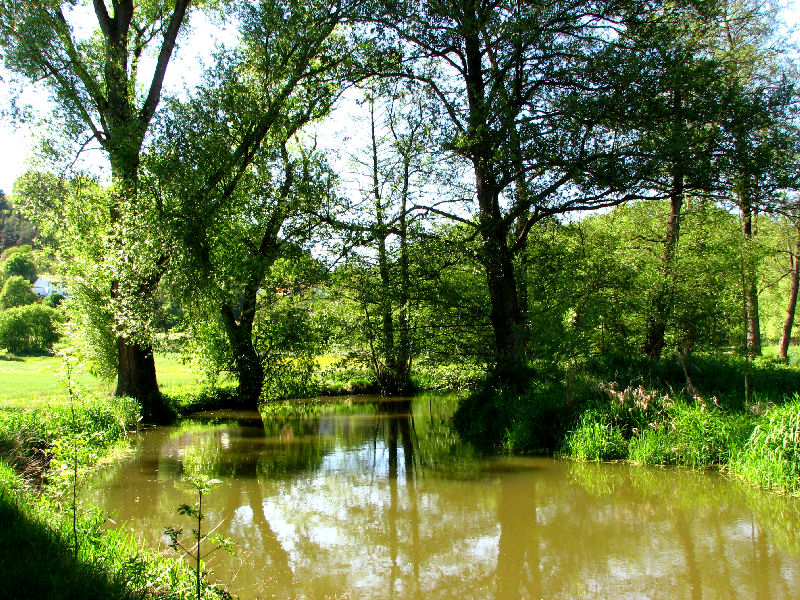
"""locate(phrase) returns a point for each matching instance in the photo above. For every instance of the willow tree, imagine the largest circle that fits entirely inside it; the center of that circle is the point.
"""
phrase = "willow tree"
(526, 89)
(102, 93)
(231, 173)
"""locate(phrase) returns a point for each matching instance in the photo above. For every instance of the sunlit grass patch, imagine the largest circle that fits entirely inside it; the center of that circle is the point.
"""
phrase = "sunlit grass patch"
(35, 381)
(596, 439)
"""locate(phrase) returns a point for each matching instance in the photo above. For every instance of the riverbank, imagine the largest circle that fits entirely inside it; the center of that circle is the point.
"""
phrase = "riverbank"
(694, 412)
(52, 546)
(724, 412)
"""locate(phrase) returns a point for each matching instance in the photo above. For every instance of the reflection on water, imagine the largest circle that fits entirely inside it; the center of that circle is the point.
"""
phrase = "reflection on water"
(379, 499)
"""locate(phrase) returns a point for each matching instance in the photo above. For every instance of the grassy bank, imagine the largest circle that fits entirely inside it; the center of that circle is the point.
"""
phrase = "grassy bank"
(720, 412)
(53, 547)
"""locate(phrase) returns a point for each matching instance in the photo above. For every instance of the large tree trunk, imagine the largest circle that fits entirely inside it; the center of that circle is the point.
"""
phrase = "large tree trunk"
(662, 301)
(786, 336)
(497, 258)
(136, 368)
(506, 317)
(753, 324)
(136, 375)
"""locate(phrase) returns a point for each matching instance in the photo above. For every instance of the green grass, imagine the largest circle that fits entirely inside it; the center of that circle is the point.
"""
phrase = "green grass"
(35, 380)
(44, 553)
(771, 457)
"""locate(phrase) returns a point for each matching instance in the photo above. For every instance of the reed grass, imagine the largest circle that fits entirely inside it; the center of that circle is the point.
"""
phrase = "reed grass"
(771, 456)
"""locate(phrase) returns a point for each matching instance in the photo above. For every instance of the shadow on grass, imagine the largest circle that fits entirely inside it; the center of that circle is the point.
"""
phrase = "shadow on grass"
(11, 358)
(37, 563)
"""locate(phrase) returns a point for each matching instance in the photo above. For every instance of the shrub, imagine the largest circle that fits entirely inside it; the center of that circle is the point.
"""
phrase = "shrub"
(54, 300)
(31, 328)
(531, 415)
(16, 292)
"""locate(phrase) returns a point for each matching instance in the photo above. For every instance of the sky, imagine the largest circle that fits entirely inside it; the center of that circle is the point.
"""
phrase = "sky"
(18, 143)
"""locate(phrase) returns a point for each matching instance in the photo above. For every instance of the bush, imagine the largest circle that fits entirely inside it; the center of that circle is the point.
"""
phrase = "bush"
(771, 457)
(532, 415)
(54, 300)
(16, 292)
(31, 328)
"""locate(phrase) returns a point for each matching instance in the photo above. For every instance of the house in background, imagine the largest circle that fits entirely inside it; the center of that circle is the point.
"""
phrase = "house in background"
(44, 287)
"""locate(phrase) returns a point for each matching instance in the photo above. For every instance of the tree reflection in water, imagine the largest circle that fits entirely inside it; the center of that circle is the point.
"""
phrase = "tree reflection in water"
(379, 499)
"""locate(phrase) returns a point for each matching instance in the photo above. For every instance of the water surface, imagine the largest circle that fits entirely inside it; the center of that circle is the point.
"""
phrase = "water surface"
(379, 500)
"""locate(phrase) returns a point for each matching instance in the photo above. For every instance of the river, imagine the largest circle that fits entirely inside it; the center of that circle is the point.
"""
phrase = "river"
(364, 498)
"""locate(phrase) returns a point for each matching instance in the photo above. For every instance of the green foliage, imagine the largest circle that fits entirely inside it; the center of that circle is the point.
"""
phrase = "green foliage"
(76, 213)
(15, 230)
(31, 328)
(596, 439)
(39, 561)
(590, 282)
(54, 300)
(16, 292)
(287, 336)
(202, 485)
(532, 415)
(18, 264)
(771, 457)
(720, 376)
(28, 437)
(187, 399)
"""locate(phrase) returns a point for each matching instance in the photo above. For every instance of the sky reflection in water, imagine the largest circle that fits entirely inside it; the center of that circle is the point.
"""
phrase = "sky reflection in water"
(379, 500)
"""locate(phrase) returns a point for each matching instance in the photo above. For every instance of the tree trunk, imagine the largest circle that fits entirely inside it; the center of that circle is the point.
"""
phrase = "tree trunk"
(753, 325)
(403, 354)
(497, 259)
(663, 299)
(247, 363)
(506, 317)
(786, 336)
(136, 375)
(136, 368)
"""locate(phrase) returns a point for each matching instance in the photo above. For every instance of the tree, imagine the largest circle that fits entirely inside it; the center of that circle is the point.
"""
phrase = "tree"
(29, 328)
(526, 101)
(394, 168)
(230, 174)
(97, 86)
(17, 291)
(758, 100)
(76, 214)
(19, 264)
(673, 45)
(15, 230)
(791, 304)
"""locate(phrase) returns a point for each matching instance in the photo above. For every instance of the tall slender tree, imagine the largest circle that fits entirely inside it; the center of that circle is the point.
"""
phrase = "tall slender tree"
(758, 99)
(673, 46)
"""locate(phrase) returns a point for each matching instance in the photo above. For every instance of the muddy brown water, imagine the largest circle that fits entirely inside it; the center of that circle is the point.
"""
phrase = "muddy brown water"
(367, 499)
